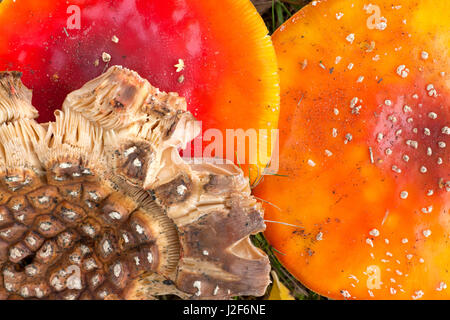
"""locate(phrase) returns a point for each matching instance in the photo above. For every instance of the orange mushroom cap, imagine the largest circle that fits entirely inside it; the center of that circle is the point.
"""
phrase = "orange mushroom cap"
(364, 145)
(217, 54)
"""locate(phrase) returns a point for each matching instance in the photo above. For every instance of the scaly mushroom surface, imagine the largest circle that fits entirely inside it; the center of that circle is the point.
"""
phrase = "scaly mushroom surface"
(99, 204)
(364, 149)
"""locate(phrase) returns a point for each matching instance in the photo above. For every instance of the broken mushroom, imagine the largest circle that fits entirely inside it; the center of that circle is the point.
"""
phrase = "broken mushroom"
(100, 206)
(191, 47)
(364, 149)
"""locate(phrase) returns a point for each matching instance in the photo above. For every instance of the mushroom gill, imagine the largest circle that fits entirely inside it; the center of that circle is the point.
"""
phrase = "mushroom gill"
(99, 204)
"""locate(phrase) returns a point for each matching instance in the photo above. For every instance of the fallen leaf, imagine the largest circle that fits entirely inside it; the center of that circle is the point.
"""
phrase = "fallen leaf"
(279, 290)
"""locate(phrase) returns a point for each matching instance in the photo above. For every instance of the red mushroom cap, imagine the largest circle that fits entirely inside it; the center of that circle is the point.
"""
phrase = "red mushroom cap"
(364, 143)
(215, 53)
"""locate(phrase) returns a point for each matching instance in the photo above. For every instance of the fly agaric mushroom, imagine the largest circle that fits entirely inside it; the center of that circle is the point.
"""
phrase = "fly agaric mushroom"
(100, 206)
(191, 47)
(364, 145)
